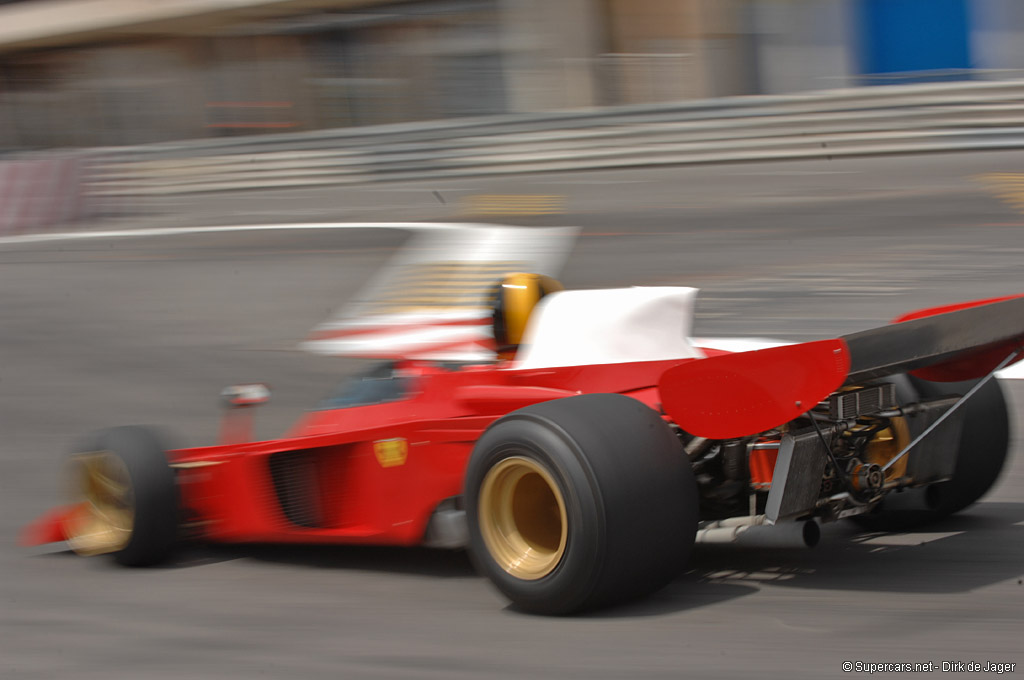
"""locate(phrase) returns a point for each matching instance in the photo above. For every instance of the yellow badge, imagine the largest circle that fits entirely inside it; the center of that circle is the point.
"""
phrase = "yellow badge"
(391, 452)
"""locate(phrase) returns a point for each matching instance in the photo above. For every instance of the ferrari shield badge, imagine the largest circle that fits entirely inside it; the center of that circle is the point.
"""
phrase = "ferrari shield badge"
(391, 452)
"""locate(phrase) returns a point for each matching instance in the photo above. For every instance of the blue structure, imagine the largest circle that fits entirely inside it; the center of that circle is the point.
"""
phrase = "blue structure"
(912, 36)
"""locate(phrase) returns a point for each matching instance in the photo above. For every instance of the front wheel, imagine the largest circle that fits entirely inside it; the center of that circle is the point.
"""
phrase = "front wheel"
(128, 497)
(579, 503)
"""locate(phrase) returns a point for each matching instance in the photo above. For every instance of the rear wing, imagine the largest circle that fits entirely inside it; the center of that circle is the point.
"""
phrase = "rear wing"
(944, 344)
(741, 394)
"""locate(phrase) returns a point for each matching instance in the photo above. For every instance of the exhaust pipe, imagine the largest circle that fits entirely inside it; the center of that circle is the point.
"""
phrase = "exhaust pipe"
(754, 532)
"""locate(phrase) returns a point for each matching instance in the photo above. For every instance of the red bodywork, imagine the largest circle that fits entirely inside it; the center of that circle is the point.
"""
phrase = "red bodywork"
(228, 491)
(362, 497)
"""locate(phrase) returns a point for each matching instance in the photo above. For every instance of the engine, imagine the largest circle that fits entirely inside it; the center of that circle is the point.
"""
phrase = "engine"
(836, 460)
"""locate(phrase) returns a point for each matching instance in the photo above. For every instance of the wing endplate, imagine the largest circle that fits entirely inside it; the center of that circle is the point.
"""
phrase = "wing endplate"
(737, 395)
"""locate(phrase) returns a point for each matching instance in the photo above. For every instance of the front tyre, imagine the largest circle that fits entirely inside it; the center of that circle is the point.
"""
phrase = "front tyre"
(128, 497)
(579, 503)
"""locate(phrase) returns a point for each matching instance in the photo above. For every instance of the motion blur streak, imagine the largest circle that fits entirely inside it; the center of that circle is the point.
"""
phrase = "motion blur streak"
(181, 231)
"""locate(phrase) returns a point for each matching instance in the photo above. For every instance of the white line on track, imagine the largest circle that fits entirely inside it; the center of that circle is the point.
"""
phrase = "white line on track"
(909, 539)
(174, 231)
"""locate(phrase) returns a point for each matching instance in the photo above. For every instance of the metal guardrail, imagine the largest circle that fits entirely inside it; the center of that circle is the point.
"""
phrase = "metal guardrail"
(864, 121)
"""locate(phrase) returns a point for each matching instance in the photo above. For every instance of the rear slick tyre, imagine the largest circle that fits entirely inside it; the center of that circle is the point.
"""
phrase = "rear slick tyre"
(580, 503)
(981, 456)
(984, 444)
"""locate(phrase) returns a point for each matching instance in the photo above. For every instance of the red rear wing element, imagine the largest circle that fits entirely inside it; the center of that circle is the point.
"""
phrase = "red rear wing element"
(737, 395)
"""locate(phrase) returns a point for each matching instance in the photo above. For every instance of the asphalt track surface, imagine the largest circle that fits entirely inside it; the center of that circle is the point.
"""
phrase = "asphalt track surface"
(131, 330)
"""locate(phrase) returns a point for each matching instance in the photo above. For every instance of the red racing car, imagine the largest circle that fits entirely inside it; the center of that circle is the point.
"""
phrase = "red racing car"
(583, 462)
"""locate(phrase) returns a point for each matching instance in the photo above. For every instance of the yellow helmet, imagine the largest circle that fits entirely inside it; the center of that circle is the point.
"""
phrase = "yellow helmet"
(513, 298)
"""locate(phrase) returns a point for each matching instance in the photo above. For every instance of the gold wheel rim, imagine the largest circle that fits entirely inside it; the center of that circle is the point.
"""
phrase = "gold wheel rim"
(887, 444)
(522, 518)
(106, 515)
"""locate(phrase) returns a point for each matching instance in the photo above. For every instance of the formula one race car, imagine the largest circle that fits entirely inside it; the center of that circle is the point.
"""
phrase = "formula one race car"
(583, 462)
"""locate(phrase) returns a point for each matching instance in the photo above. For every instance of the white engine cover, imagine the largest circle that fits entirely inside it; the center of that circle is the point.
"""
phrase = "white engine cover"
(619, 325)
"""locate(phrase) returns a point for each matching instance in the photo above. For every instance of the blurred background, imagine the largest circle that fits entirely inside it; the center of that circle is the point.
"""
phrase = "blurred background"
(112, 108)
(115, 72)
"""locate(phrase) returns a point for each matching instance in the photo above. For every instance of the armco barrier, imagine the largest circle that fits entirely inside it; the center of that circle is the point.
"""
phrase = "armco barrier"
(863, 121)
